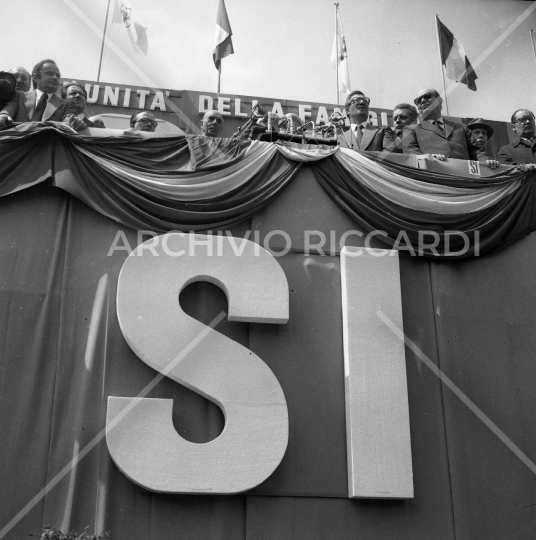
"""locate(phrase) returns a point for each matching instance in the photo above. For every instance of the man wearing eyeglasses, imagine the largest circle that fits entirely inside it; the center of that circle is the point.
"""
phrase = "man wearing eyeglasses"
(362, 135)
(521, 151)
(143, 121)
(438, 136)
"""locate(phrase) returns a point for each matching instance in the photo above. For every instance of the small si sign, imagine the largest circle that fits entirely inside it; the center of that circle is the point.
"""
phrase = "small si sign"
(474, 167)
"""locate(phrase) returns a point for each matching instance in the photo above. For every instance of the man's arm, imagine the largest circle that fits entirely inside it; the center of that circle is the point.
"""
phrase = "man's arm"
(70, 110)
(505, 158)
(389, 143)
(9, 111)
(70, 117)
(410, 145)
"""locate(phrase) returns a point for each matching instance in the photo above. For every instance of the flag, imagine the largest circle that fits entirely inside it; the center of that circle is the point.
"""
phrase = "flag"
(453, 57)
(339, 55)
(223, 44)
(123, 13)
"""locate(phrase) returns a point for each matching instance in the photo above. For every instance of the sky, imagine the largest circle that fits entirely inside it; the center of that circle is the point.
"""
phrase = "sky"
(283, 48)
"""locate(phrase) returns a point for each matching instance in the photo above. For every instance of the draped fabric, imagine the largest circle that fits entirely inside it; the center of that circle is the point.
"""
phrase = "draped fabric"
(426, 213)
(195, 183)
(62, 352)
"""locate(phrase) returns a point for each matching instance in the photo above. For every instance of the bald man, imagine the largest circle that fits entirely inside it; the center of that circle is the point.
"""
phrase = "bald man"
(212, 124)
(22, 77)
(521, 152)
(438, 136)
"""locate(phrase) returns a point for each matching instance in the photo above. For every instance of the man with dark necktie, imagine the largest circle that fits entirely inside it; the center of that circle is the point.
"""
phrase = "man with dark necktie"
(521, 151)
(438, 136)
(42, 103)
(362, 135)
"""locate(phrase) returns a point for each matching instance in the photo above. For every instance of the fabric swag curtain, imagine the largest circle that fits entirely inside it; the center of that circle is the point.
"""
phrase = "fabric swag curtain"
(194, 183)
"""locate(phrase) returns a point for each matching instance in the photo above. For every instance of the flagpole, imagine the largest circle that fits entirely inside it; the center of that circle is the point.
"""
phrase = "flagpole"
(337, 44)
(219, 77)
(441, 65)
(533, 44)
(103, 40)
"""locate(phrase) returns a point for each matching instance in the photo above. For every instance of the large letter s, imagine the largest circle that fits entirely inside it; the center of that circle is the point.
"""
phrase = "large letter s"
(139, 432)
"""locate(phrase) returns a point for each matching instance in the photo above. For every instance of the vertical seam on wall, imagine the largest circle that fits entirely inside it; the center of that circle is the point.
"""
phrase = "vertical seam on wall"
(441, 391)
(63, 244)
(98, 519)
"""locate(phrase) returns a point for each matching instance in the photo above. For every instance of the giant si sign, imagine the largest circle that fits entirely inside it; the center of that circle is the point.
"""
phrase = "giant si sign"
(139, 431)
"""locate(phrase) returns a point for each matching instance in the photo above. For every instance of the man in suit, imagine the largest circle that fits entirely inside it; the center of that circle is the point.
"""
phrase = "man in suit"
(404, 115)
(439, 137)
(521, 151)
(362, 135)
(77, 95)
(212, 124)
(42, 104)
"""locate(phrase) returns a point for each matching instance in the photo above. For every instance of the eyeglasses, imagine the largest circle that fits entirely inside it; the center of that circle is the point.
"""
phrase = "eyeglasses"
(359, 99)
(147, 122)
(428, 96)
(524, 120)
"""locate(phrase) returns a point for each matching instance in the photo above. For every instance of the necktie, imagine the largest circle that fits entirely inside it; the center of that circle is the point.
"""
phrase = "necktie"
(40, 108)
(439, 125)
(359, 135)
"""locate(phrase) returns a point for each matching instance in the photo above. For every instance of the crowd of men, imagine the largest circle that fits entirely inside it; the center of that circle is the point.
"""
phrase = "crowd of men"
(19, 103)
(421, 129)
(418, 129)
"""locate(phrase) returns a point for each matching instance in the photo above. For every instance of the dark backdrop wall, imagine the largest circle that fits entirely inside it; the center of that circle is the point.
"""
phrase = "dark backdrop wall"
(62, 354)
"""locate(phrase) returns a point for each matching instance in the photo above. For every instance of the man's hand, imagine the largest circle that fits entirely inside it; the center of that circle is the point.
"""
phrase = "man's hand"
(492, 163)
(76, 123)
(525, 167)
(5, 120)
(440, 157)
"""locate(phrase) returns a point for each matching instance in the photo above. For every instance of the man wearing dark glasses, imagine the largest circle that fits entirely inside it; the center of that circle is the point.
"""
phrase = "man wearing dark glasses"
(362, 135)
(521, 151)
(438, 136)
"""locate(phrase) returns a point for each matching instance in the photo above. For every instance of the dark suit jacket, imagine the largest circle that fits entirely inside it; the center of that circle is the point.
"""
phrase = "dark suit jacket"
(375, 139)
(398, 145)
(517, 152)
(454, 142)
(23, 108)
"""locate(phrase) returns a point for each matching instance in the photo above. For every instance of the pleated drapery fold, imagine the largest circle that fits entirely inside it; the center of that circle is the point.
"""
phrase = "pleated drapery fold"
(195, 183)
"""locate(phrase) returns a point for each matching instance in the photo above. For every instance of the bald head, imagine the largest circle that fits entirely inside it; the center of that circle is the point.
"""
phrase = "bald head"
(523, 123)
(22, 77)
(429, 104)
(212, 124)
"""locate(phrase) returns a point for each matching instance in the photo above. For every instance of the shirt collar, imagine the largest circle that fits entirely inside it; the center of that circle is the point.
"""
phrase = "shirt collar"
(39, 93)
(525, 141)
(364, 124)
